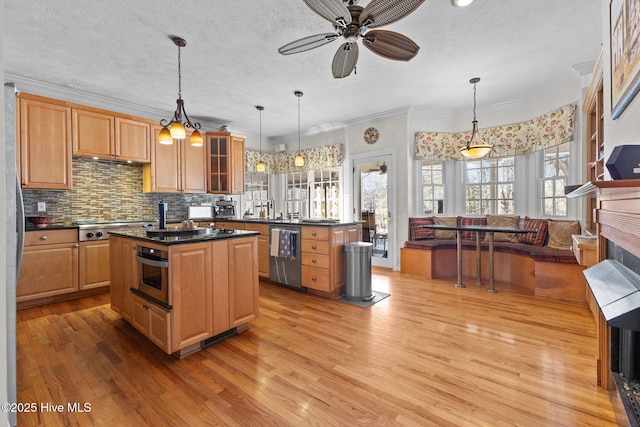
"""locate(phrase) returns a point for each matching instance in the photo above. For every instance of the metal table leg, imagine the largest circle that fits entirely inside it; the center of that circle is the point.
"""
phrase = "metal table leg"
(478, 260)
(491, 288)
(459, 284)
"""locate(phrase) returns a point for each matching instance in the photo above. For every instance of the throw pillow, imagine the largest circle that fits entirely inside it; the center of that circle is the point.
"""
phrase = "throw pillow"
(538, 238)
(418, 232)
(560, 233)
(505, 221)
(471, 235)
(445, 220)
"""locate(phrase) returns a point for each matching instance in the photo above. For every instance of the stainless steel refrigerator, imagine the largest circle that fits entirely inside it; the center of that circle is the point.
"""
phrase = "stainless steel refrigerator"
(14, 210)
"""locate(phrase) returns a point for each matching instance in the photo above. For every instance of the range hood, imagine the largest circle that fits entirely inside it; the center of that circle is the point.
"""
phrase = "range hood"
(616, 288)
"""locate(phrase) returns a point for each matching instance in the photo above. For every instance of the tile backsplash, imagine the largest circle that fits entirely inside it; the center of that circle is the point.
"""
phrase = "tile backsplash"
(108, 190)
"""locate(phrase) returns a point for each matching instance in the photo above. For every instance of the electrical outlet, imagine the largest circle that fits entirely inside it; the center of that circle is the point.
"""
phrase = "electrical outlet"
(42, 207)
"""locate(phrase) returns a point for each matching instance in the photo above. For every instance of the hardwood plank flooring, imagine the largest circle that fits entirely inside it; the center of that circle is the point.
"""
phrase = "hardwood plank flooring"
(429, 355)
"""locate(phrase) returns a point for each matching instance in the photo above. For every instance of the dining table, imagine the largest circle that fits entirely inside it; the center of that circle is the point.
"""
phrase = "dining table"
(489, 230)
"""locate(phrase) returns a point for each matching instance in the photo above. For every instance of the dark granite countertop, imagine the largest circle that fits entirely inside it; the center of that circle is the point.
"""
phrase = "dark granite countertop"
(208, 234)
(51, 226)
(311, 222)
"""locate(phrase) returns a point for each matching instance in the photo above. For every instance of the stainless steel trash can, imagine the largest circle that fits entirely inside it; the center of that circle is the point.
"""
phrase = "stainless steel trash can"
(358, 271)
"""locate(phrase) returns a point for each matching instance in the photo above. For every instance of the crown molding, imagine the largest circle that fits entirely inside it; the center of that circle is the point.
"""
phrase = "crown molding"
(37, 87)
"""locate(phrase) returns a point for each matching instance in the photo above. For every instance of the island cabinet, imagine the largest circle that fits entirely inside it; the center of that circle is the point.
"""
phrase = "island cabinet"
(225, 166)
(213, 290)
(323, 258)
(44, 157)
(176, 168)
(49, 265)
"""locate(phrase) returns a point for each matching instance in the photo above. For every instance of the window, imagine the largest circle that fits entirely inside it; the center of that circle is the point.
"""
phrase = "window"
(556, 171)
(325, 194)
(296, 199)
(489, 186)
(313, 194)
(432, 186)
(256, 192)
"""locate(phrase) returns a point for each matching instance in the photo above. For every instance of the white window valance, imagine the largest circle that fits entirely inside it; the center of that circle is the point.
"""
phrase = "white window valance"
(325, 157)
(547, 130)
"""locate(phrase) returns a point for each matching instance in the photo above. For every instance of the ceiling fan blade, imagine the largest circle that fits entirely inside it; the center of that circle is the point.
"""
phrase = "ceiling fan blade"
(345, 60)
(333, 11)
(391, 45)
(307, 43)
(383, 12)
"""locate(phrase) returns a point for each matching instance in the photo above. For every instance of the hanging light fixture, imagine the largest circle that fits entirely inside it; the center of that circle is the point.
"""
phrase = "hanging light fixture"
(260, 166)
(175, 128)
(475, 147)
(299, 160)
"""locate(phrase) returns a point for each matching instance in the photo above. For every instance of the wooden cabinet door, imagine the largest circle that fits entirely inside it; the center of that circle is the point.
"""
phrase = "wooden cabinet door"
(93, 134)
(243, 280)
(45, 145)
(191, 286)
(140, 314)
(162, 175)
(132, 140)
(48, 270)
(220, 268)
(193, 166)
(236, 170)
(159, 331)
(263, 256)
(94, 264)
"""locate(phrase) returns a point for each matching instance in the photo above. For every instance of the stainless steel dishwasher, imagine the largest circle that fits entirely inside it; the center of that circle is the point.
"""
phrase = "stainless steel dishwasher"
(287, 272)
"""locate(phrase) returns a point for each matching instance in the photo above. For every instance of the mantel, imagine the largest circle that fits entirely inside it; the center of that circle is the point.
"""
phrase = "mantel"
(593, 188)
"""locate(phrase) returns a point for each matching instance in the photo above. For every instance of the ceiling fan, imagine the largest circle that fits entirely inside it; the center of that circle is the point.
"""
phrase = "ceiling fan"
(353, 22)
(380, 168)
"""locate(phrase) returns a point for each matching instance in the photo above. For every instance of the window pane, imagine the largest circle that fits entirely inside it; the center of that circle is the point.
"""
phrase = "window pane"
(548, 188)
(560, 183)
(561, 206)
(473, 176)
(547, 206)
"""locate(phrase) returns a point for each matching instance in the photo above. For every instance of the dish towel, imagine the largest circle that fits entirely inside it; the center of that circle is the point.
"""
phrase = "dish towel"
(287, 248)
(275, 242)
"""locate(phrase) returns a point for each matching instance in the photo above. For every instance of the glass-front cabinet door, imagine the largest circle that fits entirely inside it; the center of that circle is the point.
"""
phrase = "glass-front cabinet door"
(225, 169)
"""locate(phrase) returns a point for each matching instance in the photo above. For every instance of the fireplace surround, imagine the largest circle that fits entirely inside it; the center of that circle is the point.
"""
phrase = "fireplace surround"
(613, 294)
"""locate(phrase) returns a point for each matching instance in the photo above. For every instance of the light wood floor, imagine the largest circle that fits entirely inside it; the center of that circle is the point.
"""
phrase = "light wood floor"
(429, 355)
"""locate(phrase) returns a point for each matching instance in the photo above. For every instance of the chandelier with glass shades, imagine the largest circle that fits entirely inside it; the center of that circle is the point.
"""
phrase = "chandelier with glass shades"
(176, 127)
(260, 166)
(299, 160)
(475, 147)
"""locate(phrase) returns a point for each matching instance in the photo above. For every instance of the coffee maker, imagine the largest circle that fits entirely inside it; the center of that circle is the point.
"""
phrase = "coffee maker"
(225, 209)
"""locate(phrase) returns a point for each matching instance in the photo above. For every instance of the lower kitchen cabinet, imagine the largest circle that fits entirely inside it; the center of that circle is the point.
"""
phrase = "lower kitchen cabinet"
(153, 321)
(243, 280)
(94, 264)
(124, 274)
(263, 246)
(49, 265)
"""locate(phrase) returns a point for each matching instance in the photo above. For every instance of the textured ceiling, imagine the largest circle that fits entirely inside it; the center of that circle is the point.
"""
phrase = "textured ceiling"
(120, 49)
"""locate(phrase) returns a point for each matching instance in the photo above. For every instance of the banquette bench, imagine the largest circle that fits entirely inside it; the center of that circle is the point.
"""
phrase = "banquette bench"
(540, 263)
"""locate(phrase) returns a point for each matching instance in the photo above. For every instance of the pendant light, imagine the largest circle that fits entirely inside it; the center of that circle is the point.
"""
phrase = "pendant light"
(175, 128)
(260, 166)
(299, 160)
(476, 147)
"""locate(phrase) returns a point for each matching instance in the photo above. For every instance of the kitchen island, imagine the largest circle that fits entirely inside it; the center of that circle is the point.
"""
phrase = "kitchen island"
(318, 267)
(185, 290)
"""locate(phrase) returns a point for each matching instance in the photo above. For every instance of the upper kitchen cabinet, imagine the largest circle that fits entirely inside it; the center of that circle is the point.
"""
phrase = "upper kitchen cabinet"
(100, 134)
(45, 143)
(176, 168)
(225, 168)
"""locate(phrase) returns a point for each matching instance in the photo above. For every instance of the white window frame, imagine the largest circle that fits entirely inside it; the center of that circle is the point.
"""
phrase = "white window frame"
(492, 182)
(433, 187)
(555, 180)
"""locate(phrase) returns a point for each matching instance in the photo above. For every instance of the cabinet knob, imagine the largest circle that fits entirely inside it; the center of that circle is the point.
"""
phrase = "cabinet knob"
(43, 237)
(313, 260)
(314, 247)
(313, 233)
(77, 245)
(314, 278)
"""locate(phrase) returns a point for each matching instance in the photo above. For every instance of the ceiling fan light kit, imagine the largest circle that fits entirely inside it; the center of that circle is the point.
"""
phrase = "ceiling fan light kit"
(461, 3)
(476, 147)
(354, 22)
(176, 127)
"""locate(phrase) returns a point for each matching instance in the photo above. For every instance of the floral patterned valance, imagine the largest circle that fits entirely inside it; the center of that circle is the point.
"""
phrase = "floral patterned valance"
(325, 157)
(548, 130)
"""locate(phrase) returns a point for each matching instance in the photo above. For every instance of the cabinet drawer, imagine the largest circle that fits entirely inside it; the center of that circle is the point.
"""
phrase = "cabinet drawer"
(316, 278)
(316, 233)
(315, 260)
(315, 246)
(48, 237)
(230, 225)
(263, 229)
